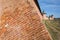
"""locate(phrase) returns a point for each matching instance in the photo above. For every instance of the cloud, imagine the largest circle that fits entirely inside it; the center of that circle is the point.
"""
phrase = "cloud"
(50, 7)
(56, 6)
(48, 2)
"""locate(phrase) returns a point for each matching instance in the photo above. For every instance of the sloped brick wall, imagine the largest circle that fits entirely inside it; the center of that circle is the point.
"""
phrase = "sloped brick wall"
(21, 20)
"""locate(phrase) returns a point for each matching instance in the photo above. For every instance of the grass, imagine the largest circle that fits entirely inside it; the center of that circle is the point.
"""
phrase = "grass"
(53, 26)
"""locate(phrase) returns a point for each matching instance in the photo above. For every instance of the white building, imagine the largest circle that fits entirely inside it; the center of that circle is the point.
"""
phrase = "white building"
(44, 16)
(51, 17)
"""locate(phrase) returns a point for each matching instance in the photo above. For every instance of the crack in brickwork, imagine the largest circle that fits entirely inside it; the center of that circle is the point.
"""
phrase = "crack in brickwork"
(20, 21)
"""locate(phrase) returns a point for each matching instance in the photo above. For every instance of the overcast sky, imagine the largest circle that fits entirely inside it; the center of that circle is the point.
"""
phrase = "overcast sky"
(50, 7)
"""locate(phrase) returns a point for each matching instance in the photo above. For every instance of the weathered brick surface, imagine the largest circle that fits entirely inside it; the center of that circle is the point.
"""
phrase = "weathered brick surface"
(20, 20)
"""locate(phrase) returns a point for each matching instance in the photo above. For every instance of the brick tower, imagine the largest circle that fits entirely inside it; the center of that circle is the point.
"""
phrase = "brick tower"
(21, 20)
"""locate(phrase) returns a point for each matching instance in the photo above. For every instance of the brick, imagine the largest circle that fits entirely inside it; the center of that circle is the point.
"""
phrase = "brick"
(21, 20)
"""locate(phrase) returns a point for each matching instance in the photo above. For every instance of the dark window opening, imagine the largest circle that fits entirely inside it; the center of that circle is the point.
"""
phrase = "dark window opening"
(36, 2)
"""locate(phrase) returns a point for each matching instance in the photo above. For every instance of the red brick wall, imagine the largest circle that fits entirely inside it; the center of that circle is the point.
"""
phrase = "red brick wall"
(22, 21)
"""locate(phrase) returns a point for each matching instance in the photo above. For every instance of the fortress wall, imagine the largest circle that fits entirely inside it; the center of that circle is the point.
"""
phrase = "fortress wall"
(21, 20)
